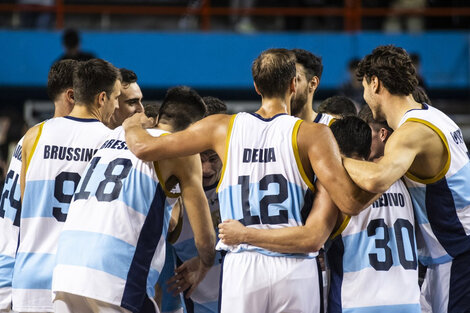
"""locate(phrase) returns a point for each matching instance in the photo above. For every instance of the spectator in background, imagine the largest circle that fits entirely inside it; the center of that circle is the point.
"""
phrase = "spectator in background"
(71, 43)
(36, 19)
(415, 58)
(412, 24)
(338, 107)
(353, 88)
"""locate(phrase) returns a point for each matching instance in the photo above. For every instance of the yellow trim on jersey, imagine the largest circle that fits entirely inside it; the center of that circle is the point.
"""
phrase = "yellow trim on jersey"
(331, 122)
(227, 143)
(342, 227)
(34, 145)
(297, 156)
(444, 170)
(168, 193)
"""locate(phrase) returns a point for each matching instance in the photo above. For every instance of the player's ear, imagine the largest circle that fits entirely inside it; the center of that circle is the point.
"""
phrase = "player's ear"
(375, 83)
(256, 88)
(101, 98)
(69, 95)
(313, 84)
(293, 85)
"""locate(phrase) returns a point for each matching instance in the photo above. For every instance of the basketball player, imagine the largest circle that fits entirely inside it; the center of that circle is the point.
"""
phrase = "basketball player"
(428, 148)
(269, 162)
(376, 246)
(60, 91)
(309, 69)
(205, 296)
(54, 155)
(130, 100)
(112, 247)
(372, 256)
(338, 107)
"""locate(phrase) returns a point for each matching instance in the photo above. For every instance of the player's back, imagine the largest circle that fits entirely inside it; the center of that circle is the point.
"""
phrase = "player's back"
(112, 247)
(442, 203)
(61, 151)
(263, 184)
(373, 258)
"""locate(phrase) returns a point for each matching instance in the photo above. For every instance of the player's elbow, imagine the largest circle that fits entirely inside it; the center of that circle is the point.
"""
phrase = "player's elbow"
(376, 183)
(141, 151)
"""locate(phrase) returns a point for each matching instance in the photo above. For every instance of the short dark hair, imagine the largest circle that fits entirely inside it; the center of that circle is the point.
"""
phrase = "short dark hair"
(182, 106)
(312, 63)
(60, 77)
(366, 115)
(338, 105)
(93, 77)
(128, 76)
(273, 71)
(420, 95)
(353, 136)
(151, 109)
(71, 38)
(214, 105)
(392, 66)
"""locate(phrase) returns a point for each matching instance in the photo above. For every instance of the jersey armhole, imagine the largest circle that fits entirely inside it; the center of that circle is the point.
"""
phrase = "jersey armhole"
(342, 227)
(168, 193)
(295, 148)
(444, 170)
(33, 149)
(227, 143)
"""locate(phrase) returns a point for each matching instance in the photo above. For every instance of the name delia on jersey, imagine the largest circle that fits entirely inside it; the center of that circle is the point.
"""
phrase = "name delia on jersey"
(265, 155)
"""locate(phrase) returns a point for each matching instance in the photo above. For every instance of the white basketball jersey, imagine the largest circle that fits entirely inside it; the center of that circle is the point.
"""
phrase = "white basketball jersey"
(263, 184)
(62, 149)
(112, 247)
(442, 203)
(325, 119)
(373, 258)
(10, 210)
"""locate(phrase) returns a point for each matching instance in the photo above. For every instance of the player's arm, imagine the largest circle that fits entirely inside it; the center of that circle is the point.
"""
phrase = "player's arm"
(400, 151)
(188, 171)
(196, 138)
(300, 239)
(26, 154)
(325, 159)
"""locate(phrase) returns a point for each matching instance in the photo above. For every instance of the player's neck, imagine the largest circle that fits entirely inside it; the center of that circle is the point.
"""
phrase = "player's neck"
(83, 111)
(307, 113)
(273, 106)
(396, 106)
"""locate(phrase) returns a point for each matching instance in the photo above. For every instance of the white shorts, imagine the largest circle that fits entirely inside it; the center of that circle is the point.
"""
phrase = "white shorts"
(446, 287)
(254, 282)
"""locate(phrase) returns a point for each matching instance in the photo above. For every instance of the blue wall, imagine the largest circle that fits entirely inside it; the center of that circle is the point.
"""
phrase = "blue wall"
(223, 60)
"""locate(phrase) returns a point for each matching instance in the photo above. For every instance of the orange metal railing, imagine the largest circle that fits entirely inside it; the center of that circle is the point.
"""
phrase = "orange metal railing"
(352, 11)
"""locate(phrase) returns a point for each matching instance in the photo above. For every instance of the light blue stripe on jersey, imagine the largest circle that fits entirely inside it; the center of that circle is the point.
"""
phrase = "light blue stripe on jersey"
(459, 188)
(232, 195)
(151, 279)
(33, 271)
(207, 307)
(418, 195)
(73, 243)
(401, 308)
(427, 260)
(135, 180)
(186, 249)
(41, 199)
(10, 212)
(360, 245)
(6, 270)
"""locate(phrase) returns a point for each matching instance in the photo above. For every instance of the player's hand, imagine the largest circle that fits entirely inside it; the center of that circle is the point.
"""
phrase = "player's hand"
(188, 276)
(138, 119)
(232, 232)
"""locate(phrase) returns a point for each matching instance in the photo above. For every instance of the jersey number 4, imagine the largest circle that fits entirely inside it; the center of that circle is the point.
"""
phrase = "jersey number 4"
(9, 195)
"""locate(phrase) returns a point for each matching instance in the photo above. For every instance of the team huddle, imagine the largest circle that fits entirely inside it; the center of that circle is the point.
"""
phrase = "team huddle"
(110, 207)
